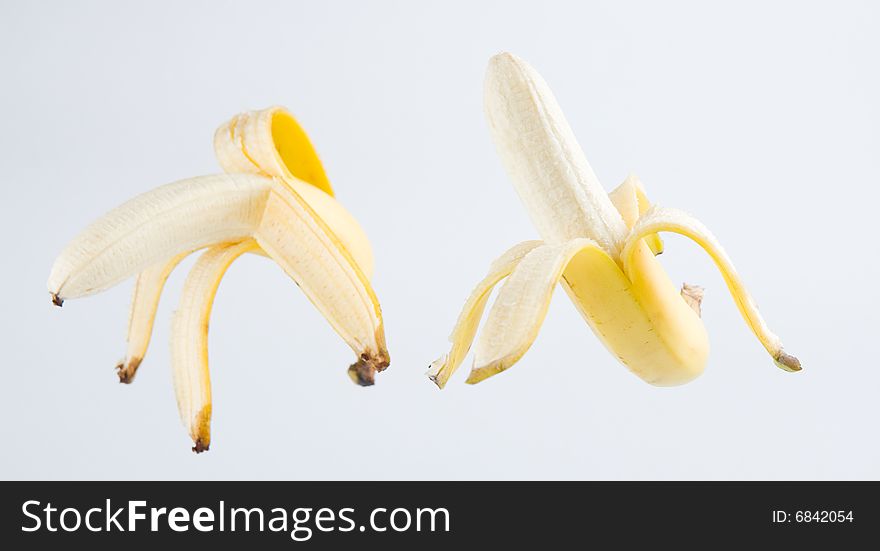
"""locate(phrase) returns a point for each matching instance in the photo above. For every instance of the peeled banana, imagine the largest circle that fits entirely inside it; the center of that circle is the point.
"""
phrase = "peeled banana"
(275, 200)
(601, 247)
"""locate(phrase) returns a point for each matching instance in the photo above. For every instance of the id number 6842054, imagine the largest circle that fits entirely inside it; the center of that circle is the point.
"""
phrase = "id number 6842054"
(818, 516)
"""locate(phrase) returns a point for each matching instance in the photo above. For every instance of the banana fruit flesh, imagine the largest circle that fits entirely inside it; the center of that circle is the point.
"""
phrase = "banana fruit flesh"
(600, 247)
(273, 200)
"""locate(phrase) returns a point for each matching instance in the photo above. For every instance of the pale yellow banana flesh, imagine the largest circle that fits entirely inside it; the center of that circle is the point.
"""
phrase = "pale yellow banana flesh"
(189, 339)
(156, 226)
(543, 159)
(469, 319)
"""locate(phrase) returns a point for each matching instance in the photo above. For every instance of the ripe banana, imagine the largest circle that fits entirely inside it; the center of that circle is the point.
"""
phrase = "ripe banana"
(600, 247)
(274, 200)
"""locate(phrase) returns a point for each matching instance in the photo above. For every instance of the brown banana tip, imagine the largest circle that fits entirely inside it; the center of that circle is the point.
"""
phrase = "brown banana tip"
(363, 372)
(787, 362)
(127, 371)
(57, 301)
(201, 434)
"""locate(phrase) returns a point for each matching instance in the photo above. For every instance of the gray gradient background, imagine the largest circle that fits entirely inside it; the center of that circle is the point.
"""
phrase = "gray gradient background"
(761, 118)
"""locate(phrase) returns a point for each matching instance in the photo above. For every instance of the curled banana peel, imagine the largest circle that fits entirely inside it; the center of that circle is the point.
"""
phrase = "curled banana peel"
(600, 247)
(274, 200)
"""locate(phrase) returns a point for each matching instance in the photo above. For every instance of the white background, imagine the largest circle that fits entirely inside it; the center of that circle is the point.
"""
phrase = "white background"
(761, 118)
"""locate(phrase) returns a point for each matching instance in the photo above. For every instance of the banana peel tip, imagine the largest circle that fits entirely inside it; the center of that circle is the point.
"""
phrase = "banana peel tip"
(787, 362)
(127, 370)
(363, 372)
(437, 372)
